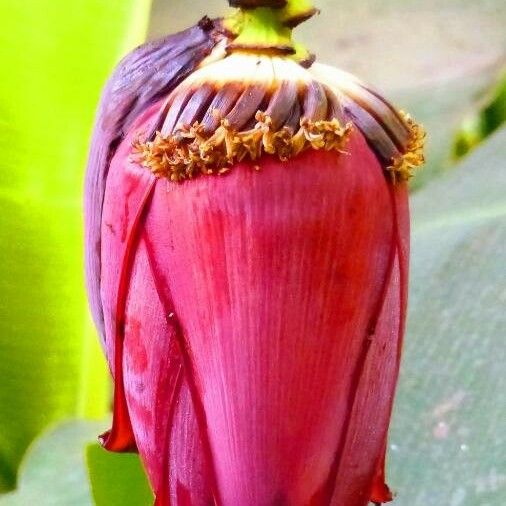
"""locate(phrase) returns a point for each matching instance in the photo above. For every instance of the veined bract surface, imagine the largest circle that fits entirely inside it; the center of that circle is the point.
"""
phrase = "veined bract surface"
(247, 259)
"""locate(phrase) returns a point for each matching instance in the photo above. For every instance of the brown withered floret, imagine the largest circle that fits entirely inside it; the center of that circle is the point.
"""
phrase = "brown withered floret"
(402, 167)
(190, 151)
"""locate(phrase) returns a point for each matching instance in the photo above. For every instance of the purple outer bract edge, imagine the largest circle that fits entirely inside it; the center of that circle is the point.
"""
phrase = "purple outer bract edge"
(144, 76)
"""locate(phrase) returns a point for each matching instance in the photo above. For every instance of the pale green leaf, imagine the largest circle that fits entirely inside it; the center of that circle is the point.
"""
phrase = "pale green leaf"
(53, 472)
(448, 443)
(65, 466)
(55, 58)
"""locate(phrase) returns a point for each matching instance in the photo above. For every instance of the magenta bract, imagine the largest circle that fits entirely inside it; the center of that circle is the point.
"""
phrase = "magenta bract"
(252, 313)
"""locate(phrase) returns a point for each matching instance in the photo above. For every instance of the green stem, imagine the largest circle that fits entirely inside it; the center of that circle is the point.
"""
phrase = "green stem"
(268, 28)
(262, 28)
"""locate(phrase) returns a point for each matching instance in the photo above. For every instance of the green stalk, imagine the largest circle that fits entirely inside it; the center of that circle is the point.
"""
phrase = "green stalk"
(269, 28)
(262, 28)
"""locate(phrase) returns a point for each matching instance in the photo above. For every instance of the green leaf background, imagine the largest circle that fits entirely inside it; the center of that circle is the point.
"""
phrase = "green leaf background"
(437, 60)
(55, 56)
(54, 470)
(117, 478)
(448, 443)
(64, 467)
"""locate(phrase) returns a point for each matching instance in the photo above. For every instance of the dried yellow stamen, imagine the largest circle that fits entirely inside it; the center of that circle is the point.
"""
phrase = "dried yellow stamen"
(402, 167)
(191, 151)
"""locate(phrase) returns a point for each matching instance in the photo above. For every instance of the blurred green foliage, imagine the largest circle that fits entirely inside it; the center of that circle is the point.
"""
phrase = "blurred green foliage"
(117, 478)
(55, 57)
(54, 471)
(483, 122)
(447, 442)
(64, 467)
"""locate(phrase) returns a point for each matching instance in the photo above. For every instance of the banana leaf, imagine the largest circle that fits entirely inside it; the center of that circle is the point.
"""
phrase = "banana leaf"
(447, 443)
(55, 56)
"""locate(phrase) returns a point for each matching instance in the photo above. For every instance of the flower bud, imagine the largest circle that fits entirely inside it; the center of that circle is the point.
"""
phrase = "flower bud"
(247, 239)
